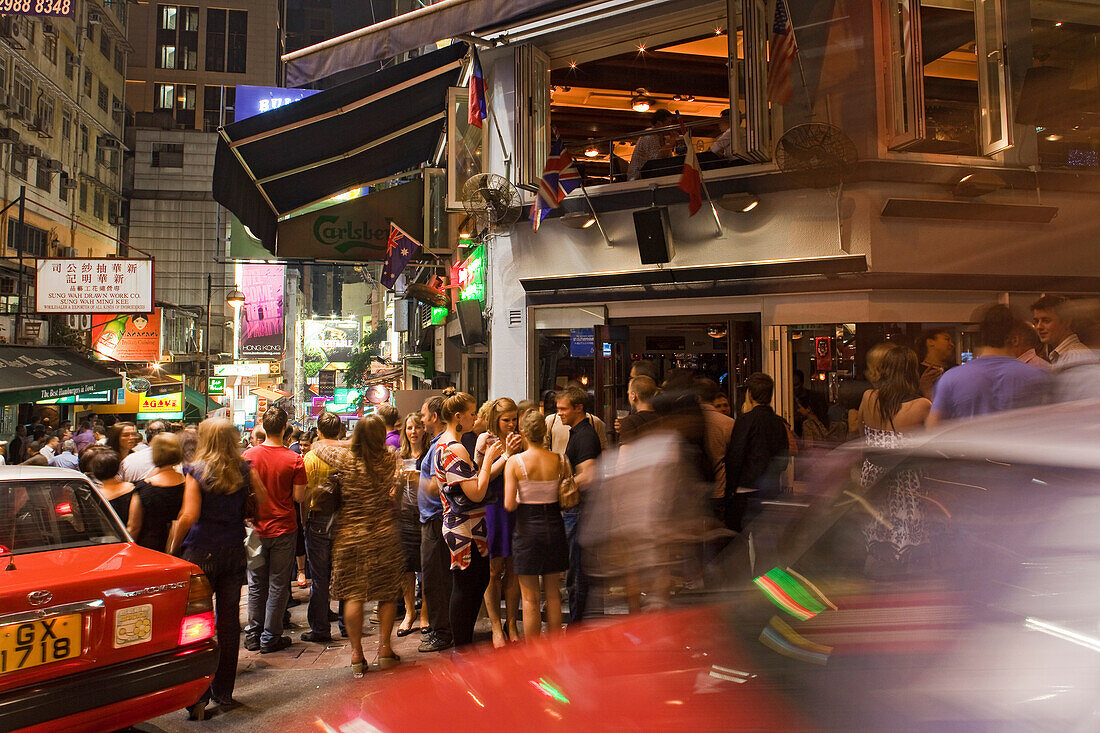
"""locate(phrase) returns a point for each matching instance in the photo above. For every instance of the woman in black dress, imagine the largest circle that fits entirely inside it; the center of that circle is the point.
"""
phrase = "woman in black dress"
(159, 496)
(102, 464)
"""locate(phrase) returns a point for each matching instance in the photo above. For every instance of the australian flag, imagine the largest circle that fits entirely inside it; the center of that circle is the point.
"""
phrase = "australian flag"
(478, 109)
(559, 178)
(399, 250)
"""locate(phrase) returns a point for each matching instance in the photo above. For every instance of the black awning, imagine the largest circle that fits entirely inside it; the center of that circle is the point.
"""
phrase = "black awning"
(367, 130)
(421, 27)
(29, 374)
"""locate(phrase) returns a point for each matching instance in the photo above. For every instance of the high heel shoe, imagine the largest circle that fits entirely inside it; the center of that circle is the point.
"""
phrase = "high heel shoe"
(358, 669)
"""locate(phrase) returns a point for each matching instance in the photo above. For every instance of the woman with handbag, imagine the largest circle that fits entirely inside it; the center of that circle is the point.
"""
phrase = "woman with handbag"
(220, 491)
(538, 484)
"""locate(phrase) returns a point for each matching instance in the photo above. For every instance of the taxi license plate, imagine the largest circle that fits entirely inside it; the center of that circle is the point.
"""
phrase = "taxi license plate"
(39, 642)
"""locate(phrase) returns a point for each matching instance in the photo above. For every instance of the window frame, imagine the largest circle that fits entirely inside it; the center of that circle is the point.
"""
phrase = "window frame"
(458, 121)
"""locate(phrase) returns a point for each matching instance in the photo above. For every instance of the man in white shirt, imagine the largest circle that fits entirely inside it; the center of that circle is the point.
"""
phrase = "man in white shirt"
(723, 145)
(139, 463)
(652, 146)
(1055, 329)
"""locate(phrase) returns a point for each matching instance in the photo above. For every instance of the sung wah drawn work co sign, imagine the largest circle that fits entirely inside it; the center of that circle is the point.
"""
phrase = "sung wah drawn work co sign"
(94, 285)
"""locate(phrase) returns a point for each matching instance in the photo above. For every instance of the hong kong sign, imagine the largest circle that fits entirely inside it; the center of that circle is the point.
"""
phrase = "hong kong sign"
(355, 230)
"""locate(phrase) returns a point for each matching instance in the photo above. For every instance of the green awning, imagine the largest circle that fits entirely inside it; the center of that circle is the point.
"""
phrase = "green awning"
(30, 374)
(193, 401)
(421, 365)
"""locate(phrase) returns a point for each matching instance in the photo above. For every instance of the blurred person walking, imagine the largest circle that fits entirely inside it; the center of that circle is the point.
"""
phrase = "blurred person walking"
(390, 417)
(102, 465)
(938, 349)
(717, 433)
(366, 553)
(414, 443)
(1024, 345)
(284, 476)
(759, 450)
(435, 561)
(994, 380)
(501, 420)
(121, 438)
(583, 451)
(158, 498)
(221, 490)
(464, 530)
(320, 511)
(532, 480)
(138, 464)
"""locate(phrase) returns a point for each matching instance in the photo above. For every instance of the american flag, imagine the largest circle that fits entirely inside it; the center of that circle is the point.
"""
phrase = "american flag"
(559, 178)
(781, 56)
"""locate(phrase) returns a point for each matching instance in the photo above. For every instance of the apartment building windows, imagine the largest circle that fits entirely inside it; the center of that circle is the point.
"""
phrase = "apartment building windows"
(49, 48)
(87, 82)
(43, 115)
(43, 178)
(104, 97)
(84, 139)
(99, 206)
(167, 155)
(219, 106)
(177, 37)
(226, 40)
(66, 125)
(83, 196)
(105, 45)
(21, 88)
(18, 163)
(63, 187)
(120, 61)
(179, 99)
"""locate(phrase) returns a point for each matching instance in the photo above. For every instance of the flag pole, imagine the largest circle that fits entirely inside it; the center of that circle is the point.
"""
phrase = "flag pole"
(798, 55)
(584, 192)
(492, 114)
(713, 208)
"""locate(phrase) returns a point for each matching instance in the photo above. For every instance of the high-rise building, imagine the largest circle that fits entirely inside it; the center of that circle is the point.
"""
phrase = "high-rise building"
(186, 65)
(62, 107)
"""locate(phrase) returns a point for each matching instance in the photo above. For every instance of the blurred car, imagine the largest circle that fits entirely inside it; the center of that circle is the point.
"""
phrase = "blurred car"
(952, 584)
(96, 633)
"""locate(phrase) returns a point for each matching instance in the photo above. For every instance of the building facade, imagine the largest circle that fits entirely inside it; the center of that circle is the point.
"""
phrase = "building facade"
(62, 104)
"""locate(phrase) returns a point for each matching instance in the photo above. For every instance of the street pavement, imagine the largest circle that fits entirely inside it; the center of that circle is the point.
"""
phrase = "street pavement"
(293, 686)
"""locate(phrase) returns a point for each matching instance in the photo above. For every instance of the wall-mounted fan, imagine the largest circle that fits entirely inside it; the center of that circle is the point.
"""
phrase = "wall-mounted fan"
(492, 202)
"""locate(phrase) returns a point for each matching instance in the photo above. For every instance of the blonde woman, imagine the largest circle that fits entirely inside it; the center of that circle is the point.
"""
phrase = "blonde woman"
(501, 419)
(210, 529)
(540, 550)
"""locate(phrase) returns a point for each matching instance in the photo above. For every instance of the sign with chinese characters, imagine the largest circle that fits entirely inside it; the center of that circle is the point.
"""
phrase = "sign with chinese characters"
(251, 100)
(126, 336)
(45, 8)
(262, 312)
(469, 276)
(95, 285)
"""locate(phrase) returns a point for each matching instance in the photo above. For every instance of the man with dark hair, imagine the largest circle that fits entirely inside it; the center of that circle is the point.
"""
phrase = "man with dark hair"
(583, 450)
(1024, 345)
(1056, 330)
(758, 452)
(435, 558)
(291, 438)
(319, 529)
(139, 464)
(937, 345)
(644, 368)
(717, 431)
(557, 432)
(390, 417)
(654, 145)
(994, 380)
(640, 392)
(284, 476)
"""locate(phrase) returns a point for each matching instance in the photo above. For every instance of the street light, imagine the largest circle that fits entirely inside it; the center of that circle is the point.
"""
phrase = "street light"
(236, 299)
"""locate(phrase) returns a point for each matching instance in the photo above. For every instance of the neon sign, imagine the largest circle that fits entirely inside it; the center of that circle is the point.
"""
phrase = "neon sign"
(469, 275)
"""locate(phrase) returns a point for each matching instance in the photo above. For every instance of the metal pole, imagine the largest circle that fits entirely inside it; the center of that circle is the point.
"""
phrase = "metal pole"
(206, 339)
(19, 241)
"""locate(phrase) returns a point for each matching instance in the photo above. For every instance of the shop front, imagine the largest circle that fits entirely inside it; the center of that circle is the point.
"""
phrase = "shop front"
(34, 379)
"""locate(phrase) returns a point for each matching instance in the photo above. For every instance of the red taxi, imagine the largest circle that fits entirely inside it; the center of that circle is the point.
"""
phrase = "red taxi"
(96, 633)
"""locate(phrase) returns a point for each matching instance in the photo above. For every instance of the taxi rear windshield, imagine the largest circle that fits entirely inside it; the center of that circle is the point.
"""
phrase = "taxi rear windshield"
(36, 516)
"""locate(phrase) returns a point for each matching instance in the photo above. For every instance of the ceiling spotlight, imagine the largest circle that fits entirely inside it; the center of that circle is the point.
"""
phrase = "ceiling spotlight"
(641, 101)
(572, 64)
(740, 202)
(719, 31)
(578, 219)
(641, 48)
(591, 151)
(1053, 137)
(1058, 24)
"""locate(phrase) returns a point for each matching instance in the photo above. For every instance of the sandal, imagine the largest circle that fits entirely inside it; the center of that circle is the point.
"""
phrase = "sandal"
(405, 632)
(358, 669)
(387, 661)
(302, 582)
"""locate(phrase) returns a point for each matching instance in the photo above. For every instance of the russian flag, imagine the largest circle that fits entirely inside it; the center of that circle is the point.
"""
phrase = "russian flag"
(478, 109)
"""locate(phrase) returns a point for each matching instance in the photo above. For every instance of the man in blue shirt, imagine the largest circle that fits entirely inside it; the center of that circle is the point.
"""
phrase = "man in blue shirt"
(67, 457)
(435, 559)
(994, 380)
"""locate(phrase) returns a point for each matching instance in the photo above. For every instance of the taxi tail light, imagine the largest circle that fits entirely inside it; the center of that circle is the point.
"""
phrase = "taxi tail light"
(198, 618)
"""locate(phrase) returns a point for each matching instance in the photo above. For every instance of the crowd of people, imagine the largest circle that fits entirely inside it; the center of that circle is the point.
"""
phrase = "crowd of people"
(437, 514)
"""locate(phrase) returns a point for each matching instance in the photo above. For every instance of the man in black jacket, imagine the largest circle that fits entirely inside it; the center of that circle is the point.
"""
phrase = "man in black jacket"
(758, 451)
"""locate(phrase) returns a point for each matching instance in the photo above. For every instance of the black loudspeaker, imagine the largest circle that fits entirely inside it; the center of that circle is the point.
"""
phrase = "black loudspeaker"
(471, 322)
(654, 235)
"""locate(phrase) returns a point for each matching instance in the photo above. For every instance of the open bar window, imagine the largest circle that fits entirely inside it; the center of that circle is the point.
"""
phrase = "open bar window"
(947, 76)
(607, 84)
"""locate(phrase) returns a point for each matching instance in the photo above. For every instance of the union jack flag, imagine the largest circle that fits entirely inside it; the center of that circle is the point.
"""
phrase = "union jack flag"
(781, 55)
(559, 178)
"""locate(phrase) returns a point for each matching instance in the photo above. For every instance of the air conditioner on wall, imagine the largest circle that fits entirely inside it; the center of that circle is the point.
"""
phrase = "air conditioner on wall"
(11, 30)
(94, 18)
(53, 166)
(115, 220)
(49, 29)
(69, 184)
(109, 142)
(8, 134)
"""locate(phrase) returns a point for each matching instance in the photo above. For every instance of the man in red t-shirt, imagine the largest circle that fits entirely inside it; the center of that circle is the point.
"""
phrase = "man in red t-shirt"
(284, 476)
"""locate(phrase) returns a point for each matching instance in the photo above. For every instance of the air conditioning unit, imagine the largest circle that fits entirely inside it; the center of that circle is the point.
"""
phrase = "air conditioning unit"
(11, 30)
(109, 142)
(7, 101)
(94, 18)
(69, 252)
(118, 106)
(33, 151)
(69, 184)
(8, 134)
(53, 166)
(42, 126)
(115, 220)
(49, 29)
